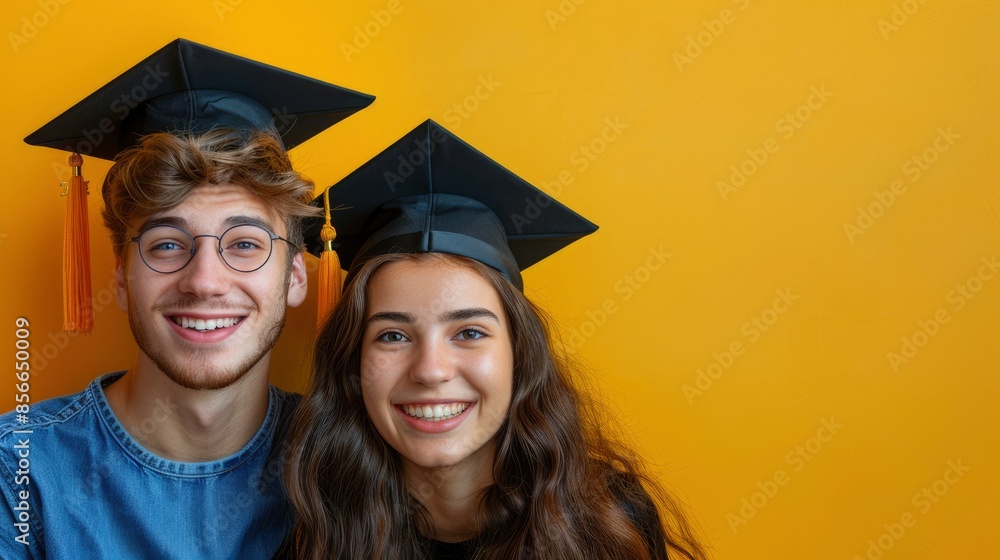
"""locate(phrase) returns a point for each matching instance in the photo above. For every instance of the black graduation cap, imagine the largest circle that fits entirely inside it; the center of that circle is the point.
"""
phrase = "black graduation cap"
(432, 192)
(186, 87)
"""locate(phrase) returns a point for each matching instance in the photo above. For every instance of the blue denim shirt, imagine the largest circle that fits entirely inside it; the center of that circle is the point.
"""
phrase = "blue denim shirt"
(79, 486)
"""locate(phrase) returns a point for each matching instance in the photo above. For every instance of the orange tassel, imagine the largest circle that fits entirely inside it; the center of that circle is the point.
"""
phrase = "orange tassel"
(329, 268)
(78, 312)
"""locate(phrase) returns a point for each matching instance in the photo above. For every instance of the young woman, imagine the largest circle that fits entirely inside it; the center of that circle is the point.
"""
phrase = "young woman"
(441, 424)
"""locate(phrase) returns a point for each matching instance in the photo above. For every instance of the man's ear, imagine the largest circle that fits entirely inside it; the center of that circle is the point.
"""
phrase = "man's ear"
(121, 284)
(298, 283)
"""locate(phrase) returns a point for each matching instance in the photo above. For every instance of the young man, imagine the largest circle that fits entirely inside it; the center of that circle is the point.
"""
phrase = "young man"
(181, 455)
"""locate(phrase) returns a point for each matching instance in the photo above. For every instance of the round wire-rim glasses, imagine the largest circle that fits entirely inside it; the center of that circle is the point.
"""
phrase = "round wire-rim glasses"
(243, 247)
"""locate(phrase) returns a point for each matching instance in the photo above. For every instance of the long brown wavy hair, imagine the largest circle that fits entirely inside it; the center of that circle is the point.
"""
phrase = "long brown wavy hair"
(562, 488)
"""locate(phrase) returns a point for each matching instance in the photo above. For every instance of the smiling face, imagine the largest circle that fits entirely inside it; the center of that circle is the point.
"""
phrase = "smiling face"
(436, 363)
(207, 325)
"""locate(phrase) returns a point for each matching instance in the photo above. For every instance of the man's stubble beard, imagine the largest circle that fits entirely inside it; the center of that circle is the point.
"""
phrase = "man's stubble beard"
(188, 375)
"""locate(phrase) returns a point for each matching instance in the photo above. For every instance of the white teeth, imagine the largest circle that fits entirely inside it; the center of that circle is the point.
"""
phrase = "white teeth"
(435, 412)
(205, 324)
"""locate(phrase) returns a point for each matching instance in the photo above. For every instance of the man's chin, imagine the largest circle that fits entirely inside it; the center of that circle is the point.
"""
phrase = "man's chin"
(205, 379)
(206, 382)
(210, 367)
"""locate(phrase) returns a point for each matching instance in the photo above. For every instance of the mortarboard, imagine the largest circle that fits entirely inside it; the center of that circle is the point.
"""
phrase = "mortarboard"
(432, 192)
(184, 87)
(187, 87)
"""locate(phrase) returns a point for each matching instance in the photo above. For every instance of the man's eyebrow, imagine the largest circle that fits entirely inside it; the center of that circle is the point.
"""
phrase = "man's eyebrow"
(164, 221)
(248, 220)
(239, 220)
(392, 316)
(470, 313)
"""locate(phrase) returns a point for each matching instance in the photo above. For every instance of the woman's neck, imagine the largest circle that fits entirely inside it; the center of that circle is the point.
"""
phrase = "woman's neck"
(452, 495)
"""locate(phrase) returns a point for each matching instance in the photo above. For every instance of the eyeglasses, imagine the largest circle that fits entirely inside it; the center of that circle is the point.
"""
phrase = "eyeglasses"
(244, 248)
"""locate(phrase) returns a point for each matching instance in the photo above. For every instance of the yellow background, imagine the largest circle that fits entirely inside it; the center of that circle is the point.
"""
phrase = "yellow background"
(669, 99)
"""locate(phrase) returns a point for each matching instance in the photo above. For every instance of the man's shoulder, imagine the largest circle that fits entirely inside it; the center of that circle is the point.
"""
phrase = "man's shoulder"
(46, 413)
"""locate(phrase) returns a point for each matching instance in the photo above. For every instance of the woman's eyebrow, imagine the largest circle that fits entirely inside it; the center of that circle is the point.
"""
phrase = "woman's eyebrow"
(470, 313)
(393, 316)
(448, 316)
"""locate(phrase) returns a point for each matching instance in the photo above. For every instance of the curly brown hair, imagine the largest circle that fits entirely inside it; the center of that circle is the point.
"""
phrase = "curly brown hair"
(563, 488)
(163, 170)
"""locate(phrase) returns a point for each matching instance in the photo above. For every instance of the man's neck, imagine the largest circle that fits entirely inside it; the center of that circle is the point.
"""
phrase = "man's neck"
(181, 424)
